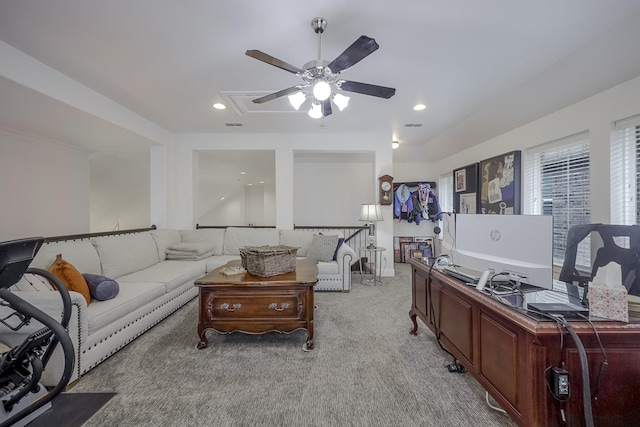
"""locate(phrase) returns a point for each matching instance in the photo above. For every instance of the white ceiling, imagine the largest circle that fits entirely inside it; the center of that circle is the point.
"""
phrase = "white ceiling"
(482, 67)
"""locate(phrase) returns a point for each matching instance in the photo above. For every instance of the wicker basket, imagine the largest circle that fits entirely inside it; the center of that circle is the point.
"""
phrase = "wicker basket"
(267, 261)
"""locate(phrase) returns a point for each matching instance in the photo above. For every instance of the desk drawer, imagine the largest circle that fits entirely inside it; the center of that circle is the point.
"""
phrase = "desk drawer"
(257, 306)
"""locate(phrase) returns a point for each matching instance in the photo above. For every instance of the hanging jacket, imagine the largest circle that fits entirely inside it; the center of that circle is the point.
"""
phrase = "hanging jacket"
(402, 202)
(429, 204)
(416, 213)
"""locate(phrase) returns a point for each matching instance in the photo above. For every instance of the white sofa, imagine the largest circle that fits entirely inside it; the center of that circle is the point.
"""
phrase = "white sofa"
(151, 287)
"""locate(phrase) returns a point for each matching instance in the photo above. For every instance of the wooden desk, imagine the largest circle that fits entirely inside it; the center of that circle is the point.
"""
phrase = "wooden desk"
(257, 305)
(509, 353)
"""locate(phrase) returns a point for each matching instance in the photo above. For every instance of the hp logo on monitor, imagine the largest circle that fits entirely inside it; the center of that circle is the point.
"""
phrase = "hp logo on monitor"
(495, 235)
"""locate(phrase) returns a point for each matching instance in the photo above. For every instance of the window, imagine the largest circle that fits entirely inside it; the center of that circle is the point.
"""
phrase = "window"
(557, 183)
(445, 192)
(625, 172)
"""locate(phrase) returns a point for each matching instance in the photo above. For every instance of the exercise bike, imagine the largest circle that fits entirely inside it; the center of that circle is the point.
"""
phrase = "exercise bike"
(22, 397)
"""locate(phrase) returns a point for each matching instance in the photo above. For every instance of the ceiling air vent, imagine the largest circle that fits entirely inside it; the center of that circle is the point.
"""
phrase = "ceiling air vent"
(413, 125)
(233, 124)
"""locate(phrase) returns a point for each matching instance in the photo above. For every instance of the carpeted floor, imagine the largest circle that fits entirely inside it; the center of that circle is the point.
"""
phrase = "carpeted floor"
(366, 370)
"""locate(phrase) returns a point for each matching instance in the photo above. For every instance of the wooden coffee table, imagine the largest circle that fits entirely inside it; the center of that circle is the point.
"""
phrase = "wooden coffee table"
(257, 305)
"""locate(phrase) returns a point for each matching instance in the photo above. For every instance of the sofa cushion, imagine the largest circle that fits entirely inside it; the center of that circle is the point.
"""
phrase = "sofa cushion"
(213, 235)
(171, 273)
(131, 297)
(70, 277)
(33, 282)
(80, 253)
(298, 238)
(101, 288)
(323, 247)
(124, 254)
(164, 238)
(236, 238)
(328, 268)
(190, 248)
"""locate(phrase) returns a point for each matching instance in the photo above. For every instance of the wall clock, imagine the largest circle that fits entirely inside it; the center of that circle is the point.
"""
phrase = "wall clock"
(385, 185)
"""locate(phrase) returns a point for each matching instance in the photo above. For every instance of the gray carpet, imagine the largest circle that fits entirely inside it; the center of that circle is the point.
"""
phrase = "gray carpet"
(366, 370)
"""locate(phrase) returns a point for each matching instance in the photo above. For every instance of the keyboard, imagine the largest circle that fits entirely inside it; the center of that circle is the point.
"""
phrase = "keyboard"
(469, 275)
(505, 289)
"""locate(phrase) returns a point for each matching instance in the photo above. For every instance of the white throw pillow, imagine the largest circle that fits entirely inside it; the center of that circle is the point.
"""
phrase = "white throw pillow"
(323, 247)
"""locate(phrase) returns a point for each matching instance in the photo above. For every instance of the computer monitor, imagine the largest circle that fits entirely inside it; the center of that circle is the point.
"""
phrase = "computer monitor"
(521, 245)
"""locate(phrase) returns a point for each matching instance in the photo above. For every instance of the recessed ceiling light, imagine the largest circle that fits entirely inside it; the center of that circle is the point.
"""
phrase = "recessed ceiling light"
(221, 198)
(219, 106)
(261, 182)
(419, 107)
(249, 184)
(395, 144)
(243, 173)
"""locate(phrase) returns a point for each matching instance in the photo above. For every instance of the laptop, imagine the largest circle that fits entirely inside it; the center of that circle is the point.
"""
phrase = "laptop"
(564, 309)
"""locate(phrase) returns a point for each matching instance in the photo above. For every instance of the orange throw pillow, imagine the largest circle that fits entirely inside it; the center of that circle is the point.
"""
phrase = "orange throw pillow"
(70, 276)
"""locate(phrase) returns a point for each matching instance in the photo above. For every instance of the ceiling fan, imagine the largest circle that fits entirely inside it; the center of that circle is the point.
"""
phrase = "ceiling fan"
(321, 78)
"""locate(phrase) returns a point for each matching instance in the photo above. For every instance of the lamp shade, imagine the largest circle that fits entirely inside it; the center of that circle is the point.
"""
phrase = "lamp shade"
(316, 111)
(297, 99)
(340, 100)
(371, 213)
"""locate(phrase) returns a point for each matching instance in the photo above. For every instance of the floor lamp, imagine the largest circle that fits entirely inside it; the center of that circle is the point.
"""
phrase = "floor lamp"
(371, 214)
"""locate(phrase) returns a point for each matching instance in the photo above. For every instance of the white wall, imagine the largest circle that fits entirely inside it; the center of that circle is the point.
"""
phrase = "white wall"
(330, 188)
(269, 204)
(119, 194)
(229, 211)
(595, 115)
(287, 147)
(44, 188)
(353, 189)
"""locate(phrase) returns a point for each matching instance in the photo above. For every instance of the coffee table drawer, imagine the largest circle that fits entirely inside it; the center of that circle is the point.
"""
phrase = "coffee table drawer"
(259, 305)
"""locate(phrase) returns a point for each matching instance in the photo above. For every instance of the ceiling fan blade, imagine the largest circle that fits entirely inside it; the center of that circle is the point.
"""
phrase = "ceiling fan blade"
(264, 57)
(326, 107)
(355, 53)
(367, 89)
(272, 96)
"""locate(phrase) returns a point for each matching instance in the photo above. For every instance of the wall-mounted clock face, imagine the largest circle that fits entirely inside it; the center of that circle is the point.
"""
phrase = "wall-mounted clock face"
(386, 189)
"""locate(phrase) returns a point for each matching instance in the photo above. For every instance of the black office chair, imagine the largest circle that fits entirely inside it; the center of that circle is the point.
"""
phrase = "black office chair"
(21, 366)
(606, 241)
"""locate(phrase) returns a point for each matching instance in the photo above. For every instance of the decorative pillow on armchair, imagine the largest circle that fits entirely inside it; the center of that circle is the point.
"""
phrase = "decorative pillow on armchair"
(101, 288)
(335, 254)
(70, 276)
(323, 247)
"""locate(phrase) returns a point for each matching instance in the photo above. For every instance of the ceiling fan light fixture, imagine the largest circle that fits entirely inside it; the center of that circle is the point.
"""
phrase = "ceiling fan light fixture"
(341, 101)
(321, 90)
(315, 112)
(297, 99)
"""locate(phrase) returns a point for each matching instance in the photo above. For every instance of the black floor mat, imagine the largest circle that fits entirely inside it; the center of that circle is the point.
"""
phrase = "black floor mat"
(71, 409)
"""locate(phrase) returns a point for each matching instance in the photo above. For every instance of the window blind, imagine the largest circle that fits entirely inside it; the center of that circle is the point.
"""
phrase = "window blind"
(556, 182)
(445, 192)
(625, 173)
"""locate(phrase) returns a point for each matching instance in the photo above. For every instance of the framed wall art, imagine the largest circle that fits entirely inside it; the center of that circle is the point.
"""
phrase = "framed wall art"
(465, 186)
(500, 184)
(461, 180)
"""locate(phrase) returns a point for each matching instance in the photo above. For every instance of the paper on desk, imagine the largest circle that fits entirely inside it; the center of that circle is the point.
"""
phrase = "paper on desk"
(609, 276)
(607, 296)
